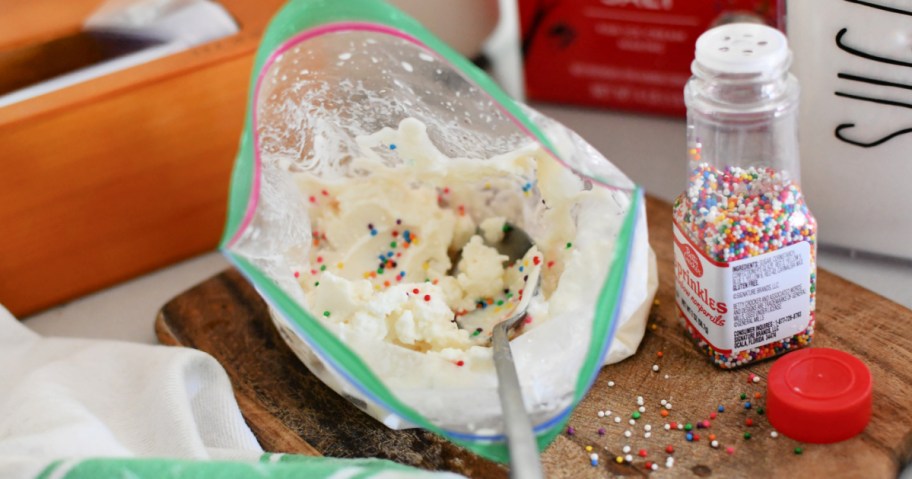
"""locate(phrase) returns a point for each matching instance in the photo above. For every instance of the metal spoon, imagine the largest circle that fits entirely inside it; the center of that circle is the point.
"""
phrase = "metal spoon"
(524, 459)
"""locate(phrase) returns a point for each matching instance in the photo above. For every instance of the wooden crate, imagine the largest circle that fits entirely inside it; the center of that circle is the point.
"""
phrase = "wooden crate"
(117, 176)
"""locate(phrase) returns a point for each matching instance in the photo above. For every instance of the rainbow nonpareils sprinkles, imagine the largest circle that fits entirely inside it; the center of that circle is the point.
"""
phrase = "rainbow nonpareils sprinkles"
(742, 212)
(731, 217)
(698, 434)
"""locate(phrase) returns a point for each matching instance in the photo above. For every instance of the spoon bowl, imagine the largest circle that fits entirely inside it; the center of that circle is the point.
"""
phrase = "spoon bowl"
(515, 244)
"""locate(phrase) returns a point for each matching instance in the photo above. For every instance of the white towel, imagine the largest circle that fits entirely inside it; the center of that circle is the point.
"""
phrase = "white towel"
(75, 408)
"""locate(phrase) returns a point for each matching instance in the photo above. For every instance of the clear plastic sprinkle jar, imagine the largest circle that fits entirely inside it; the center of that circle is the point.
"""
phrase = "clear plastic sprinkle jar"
(745, 240)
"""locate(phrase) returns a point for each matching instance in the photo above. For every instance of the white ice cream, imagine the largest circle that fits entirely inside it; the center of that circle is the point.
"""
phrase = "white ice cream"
(380, 265)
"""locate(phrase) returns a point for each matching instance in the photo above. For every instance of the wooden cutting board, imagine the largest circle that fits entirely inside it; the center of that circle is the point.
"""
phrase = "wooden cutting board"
(290, 410)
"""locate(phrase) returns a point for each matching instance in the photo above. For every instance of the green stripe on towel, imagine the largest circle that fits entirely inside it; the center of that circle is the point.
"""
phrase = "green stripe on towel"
(286, 466)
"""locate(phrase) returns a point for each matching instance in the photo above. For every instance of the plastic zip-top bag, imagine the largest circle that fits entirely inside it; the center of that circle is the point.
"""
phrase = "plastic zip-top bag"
(373, 157)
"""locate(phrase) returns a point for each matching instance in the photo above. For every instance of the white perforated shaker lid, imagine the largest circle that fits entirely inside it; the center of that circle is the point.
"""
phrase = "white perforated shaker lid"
(742, 48)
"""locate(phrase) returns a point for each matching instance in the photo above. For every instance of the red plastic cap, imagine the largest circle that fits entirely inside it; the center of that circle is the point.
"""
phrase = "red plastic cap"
(819, 395)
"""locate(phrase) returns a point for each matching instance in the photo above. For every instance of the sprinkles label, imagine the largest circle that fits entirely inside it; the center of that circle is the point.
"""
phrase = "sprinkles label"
(746, 303)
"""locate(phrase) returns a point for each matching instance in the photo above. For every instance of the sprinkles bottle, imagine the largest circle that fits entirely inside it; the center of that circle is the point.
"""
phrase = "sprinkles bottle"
(744, 239)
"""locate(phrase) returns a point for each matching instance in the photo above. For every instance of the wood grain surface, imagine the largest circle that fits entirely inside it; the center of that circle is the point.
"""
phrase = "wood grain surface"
(291, 411)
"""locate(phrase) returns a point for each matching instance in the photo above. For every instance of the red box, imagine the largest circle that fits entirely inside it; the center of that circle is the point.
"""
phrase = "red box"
(625, 54)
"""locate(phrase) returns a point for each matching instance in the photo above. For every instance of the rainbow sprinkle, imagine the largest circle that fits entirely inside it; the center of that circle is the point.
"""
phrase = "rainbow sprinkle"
(736, 213)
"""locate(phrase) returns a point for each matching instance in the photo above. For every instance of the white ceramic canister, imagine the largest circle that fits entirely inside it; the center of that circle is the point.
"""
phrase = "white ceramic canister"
(854, 61)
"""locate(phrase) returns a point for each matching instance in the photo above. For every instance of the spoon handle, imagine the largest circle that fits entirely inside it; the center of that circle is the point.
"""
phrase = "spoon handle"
(524, 460)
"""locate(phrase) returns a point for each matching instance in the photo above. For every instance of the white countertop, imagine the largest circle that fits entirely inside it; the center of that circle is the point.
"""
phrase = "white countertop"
(649, 149)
